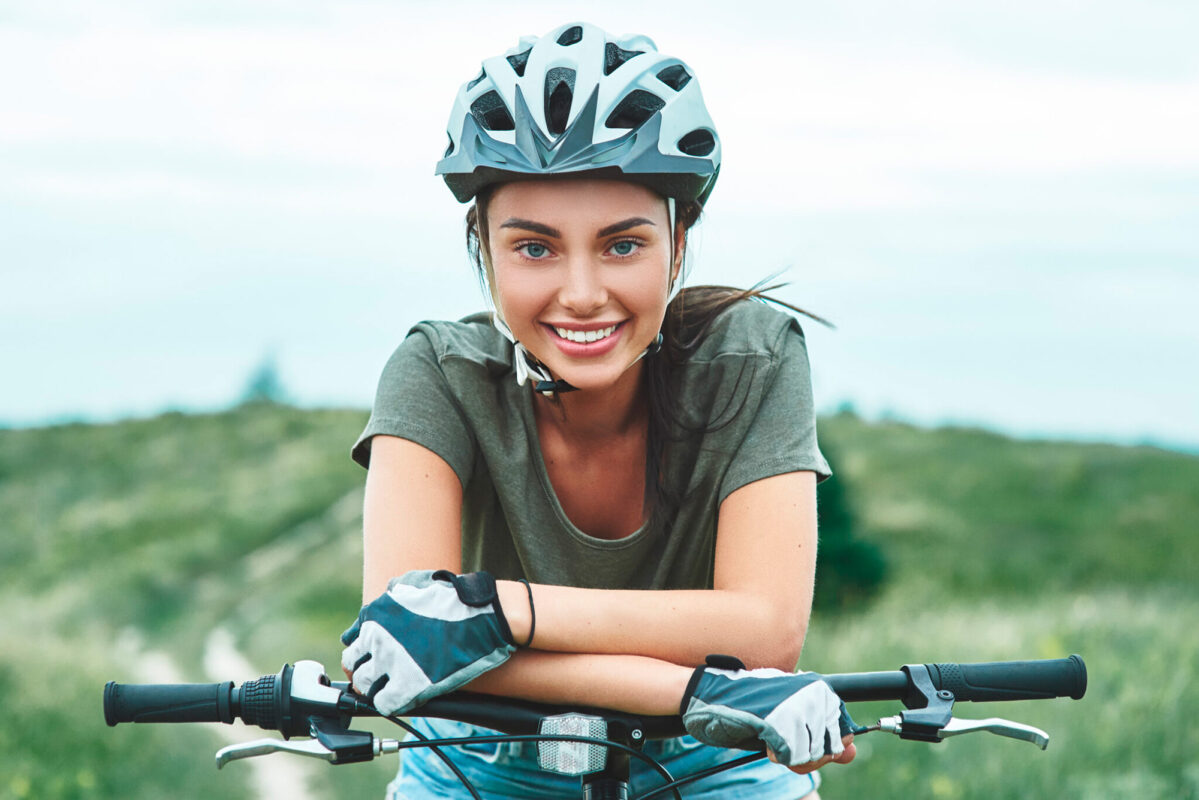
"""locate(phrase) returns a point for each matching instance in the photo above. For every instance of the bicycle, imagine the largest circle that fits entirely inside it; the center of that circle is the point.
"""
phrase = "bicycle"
(594, 744)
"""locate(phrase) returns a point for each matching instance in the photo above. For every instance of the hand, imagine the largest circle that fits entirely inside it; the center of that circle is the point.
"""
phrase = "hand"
(428, 634)
(848, 754)
(797, 716)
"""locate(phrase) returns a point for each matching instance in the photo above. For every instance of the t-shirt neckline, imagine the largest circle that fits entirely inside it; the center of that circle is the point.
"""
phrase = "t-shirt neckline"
(530, 421)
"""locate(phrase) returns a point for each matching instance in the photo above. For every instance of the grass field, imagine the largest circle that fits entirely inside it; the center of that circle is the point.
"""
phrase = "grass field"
(125, 545)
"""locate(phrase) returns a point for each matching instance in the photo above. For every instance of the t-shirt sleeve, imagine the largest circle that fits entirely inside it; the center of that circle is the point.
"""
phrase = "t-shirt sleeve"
(782, 436)
(414, 401)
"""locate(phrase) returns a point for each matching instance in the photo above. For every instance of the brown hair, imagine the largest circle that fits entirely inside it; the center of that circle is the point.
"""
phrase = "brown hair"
(688, 317)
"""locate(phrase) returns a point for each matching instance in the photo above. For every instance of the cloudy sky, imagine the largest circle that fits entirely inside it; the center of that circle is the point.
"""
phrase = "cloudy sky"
(996, 202)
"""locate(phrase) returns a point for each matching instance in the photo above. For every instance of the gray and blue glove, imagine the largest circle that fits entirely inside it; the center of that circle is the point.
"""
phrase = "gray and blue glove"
(428, 634)
(796, 715)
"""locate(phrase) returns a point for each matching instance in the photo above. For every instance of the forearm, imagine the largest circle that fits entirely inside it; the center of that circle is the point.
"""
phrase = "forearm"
(681, 627)
(633, 684)
(764, 570)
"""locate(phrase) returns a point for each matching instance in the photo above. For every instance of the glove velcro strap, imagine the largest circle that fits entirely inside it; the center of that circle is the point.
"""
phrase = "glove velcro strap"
(716, 661)
(477, 589)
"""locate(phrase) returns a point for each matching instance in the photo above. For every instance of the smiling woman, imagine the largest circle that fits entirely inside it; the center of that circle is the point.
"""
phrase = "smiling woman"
(583, 276)
(626, 469)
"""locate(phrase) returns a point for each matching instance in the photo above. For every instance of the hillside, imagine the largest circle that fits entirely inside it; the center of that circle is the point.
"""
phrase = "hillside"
(144, 548)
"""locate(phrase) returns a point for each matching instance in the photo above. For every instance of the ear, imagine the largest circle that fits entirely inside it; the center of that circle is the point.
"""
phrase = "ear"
(680, 246)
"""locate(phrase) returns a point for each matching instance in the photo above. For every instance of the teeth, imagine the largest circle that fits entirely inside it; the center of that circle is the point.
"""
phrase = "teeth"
(585, 337)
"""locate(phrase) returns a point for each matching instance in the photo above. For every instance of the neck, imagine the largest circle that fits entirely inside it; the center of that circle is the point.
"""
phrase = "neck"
(586, 415)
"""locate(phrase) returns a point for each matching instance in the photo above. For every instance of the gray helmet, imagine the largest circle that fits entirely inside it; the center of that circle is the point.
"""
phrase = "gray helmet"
(578, 100)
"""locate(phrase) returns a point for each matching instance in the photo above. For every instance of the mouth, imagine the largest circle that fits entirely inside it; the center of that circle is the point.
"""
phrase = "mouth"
(584, 336)
(592, 341)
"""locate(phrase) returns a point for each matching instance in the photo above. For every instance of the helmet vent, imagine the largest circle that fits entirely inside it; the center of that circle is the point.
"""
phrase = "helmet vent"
(519, 61)
(614, 57)
(559, 91)
(637, 106)
(449, 148)
(572, 35)
(477, 80)
(675, 77)
(491, 113)
(700, 142)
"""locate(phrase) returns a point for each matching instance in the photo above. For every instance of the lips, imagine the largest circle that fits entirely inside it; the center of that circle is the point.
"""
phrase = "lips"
(594, 340)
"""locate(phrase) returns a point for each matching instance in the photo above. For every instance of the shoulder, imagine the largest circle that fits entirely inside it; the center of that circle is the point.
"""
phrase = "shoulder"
(752, 329)
(749, 349)
(469, 342)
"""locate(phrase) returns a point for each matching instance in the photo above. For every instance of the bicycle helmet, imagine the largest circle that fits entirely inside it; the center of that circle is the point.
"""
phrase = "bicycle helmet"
(580, 100)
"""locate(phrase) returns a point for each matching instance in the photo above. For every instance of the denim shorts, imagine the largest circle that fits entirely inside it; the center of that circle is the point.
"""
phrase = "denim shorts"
(509, 771)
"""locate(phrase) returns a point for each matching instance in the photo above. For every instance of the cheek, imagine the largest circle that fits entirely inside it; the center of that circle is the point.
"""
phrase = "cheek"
(645, 288)
(519, 293)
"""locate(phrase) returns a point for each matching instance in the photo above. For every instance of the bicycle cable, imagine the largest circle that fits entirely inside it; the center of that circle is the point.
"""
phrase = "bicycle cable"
(672, 786)
(458, 773)
(500, 738)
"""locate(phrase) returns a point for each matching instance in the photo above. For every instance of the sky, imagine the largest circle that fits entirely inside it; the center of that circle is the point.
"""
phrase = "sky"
(997, 203)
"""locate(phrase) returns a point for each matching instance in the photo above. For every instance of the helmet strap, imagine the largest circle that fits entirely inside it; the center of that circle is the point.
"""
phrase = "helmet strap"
(676, 281)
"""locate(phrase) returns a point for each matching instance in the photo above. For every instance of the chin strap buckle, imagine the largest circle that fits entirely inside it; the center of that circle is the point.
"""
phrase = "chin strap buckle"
(550, 388)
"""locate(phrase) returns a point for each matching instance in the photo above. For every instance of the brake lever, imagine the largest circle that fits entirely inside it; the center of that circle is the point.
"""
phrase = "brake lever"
(310, 748)
(261, 747)
(958, 727)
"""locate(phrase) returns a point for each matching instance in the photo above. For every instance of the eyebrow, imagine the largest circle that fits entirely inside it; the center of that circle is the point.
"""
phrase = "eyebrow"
(546, 230)
(530, 225)
(631, 222)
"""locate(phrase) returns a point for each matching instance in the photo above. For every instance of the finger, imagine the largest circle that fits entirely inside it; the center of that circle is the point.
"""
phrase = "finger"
(810, 766)
(352, 655)
(848, 754)
(393, 698)
(351, 633)
(365, 676)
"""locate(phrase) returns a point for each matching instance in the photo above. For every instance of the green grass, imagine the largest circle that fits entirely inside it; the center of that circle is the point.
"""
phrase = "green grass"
(250, 520)
(1133, 729)
(1003, 549)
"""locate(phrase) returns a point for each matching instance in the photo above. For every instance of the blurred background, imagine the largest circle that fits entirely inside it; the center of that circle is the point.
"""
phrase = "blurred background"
(995, 202)
(218, 219)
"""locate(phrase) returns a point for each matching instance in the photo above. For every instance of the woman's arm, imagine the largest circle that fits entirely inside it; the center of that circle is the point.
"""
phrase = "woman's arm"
(632, 684)
(758, 609)
(411, 516)
(764, 567)
(412, 521)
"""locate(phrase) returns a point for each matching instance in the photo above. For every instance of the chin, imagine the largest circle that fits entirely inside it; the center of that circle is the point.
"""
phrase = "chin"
(590, 383)
(590, 380)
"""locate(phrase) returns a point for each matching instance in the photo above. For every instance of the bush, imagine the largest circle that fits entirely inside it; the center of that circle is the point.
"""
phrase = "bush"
(850, 571)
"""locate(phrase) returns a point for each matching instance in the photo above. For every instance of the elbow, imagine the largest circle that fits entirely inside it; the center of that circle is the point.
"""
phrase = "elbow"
(785, 653)
(777, 640)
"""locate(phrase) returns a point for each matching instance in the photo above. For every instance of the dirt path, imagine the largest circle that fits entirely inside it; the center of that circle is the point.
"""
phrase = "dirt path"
(273, 777)
(279, 776)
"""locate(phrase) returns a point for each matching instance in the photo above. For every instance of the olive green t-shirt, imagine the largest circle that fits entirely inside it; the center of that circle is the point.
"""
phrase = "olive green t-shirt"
(450, 387)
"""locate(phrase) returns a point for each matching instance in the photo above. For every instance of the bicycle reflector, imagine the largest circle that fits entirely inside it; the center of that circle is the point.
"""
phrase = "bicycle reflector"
(572, 758)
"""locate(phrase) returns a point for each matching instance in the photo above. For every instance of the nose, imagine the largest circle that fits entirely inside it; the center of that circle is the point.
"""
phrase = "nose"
(582, 291)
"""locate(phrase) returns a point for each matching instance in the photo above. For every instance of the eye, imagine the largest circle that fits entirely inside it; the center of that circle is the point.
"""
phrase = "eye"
(533, 250)
(625, 247)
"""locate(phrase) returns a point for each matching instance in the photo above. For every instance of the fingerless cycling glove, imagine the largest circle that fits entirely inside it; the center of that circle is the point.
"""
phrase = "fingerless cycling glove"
(428, 634)
(796, 715)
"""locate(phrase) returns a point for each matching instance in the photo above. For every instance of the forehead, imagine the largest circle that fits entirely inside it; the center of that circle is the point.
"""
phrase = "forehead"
(582, 200)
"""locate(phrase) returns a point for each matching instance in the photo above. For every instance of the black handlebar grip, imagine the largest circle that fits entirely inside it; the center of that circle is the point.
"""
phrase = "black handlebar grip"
(165, 702)
(1013, 680)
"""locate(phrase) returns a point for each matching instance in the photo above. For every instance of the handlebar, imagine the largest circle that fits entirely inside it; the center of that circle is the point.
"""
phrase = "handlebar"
(284, 701)
(595, 743)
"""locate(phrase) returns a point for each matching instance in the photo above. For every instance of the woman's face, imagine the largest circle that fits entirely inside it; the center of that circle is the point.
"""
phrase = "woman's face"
(582, 270)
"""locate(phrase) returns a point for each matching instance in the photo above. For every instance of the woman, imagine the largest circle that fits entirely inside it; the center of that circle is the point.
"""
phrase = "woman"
(610, 484)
